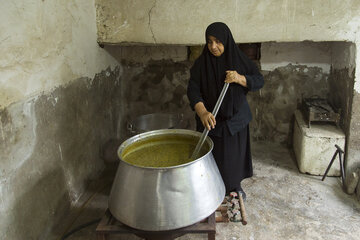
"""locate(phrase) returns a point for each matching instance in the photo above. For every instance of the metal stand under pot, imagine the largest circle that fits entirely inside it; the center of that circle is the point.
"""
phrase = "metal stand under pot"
(109, 226)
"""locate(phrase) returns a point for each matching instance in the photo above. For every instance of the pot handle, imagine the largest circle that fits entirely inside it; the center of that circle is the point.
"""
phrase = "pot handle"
(130, 127)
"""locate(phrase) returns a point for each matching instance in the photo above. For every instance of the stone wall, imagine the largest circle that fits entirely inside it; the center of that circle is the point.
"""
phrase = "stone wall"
(274, 106)
(155, 80)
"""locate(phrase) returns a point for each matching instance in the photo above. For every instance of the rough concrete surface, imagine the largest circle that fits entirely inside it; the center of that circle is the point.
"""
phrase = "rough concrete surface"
(281, 204)
(49, 149)
(354, 135)
(144, 54)
(153, 83)
(345, 96)
(184, 22)
(311, 54)
(45, 44)
(273, 106)
(314, 146)
(341, 87)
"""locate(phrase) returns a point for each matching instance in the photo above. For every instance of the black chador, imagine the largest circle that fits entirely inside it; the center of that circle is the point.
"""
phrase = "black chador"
(231, 133)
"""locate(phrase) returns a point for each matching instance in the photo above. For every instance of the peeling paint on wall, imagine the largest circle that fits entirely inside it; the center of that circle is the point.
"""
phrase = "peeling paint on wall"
(311, 54)
(48, 151)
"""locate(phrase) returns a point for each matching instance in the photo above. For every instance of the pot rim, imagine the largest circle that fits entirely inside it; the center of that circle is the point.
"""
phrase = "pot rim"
(162, 131)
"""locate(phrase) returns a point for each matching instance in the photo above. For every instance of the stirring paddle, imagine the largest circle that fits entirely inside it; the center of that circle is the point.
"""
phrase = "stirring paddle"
(206, 131)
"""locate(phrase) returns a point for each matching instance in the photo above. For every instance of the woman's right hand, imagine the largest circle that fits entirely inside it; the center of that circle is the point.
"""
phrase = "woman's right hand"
(207, 118)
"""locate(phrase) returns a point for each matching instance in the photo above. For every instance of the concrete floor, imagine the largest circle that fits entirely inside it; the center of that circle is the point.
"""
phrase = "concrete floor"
(281, 204)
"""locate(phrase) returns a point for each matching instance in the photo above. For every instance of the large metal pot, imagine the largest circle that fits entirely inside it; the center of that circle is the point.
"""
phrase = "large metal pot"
(159, 199)
(154, 121)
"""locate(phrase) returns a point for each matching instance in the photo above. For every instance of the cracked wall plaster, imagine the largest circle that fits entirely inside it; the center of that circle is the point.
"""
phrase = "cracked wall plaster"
(184, 22)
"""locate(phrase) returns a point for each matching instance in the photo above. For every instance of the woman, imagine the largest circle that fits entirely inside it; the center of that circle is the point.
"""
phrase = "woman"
(222, 61)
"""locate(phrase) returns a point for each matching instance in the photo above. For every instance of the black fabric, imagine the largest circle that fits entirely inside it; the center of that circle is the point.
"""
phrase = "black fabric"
(233, 158)
(207, 77)
(231, 134)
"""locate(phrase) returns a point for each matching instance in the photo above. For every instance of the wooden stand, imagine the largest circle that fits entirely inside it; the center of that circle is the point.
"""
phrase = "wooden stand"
(110, 226)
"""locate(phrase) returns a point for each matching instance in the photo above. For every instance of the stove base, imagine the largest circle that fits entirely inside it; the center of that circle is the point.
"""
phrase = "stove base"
(110, 226)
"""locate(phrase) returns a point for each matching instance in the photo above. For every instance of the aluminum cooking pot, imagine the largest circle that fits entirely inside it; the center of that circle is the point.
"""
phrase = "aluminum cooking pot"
(154, 121)
(167, 198)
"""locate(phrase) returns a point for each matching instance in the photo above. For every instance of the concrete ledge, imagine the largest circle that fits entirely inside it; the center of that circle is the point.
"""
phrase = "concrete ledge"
(314, 147)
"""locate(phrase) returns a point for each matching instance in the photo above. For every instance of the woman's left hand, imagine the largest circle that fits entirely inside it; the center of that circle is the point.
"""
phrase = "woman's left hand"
(233, 76)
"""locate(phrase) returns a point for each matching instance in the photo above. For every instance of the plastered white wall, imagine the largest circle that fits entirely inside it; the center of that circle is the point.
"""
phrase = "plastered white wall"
(44, 44)
(184, 22)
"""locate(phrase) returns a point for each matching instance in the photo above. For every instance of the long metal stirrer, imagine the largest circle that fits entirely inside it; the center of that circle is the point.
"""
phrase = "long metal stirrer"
(206, 131)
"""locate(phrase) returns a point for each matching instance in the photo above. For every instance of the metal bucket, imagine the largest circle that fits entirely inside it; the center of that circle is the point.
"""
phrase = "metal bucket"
(154, 121)
(160, 199)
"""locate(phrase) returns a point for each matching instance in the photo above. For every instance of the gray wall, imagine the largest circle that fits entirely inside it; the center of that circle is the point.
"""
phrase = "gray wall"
(50, 148)
(155, 80)
(343, 95)
(273, 107)
(57, 107)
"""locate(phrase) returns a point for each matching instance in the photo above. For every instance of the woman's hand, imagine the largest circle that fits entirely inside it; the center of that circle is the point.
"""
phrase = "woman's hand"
(233, 76)
(207, 119)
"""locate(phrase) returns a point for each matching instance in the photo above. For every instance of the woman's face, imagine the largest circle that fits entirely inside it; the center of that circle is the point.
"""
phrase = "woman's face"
(215, 46)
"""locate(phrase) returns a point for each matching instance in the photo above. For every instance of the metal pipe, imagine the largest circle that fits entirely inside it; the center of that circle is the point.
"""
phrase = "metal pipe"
(342, 170)
(206, 131)
(331, 162)
(338, 151)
